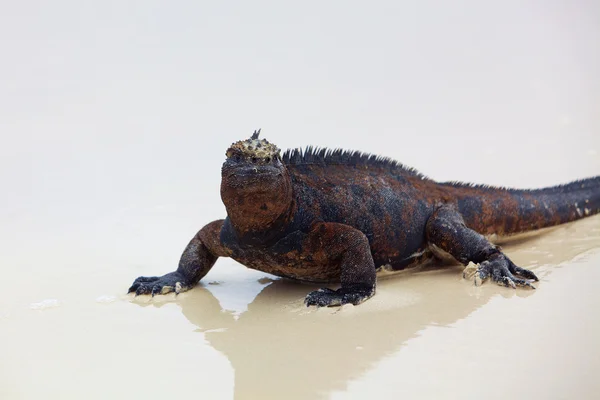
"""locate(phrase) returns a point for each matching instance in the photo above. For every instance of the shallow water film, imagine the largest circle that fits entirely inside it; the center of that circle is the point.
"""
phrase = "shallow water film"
(114, 121)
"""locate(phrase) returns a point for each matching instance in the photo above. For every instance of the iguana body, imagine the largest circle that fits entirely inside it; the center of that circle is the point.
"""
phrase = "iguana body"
(337, 216)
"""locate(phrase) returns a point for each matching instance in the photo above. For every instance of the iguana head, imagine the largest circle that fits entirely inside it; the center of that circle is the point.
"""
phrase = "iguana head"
(254, 150)
(256, 187)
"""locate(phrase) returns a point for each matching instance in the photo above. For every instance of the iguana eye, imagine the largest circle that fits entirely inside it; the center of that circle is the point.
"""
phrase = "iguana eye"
(254, 160)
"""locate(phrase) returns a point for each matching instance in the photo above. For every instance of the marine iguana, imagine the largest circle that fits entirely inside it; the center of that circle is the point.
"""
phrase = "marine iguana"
(335, 216)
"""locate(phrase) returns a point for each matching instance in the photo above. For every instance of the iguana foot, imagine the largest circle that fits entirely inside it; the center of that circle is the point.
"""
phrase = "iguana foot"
(503, 271)
(171, 282)
(325, 297)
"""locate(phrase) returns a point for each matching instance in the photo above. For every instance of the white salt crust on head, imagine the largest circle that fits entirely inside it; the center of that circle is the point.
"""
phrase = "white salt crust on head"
(254, 147)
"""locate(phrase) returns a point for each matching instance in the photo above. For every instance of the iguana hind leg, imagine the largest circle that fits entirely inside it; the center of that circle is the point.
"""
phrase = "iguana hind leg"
(446, 229)
(341, 246)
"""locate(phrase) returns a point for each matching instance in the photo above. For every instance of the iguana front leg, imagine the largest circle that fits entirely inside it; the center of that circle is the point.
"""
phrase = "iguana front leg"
(446, 229)
(197, 259)
(341, 246)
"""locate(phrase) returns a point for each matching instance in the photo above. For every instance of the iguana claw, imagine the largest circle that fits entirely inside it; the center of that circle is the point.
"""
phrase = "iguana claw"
(172, 282)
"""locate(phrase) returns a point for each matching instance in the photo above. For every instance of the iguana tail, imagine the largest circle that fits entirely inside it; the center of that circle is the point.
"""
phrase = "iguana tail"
(492, 210)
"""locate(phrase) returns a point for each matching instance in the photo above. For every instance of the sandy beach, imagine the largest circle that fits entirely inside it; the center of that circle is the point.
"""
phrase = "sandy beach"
(245, 335)
(114, 121)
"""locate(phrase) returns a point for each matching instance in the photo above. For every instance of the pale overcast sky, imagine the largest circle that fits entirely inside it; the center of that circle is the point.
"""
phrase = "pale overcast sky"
(121, 102)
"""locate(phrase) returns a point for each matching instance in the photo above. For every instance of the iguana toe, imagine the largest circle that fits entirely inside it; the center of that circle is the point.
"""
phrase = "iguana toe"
(326, 297)
(525, 273)
(502, 271)
(154, 285)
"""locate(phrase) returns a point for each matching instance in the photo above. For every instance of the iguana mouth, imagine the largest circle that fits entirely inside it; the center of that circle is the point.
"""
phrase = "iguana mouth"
(254, 170)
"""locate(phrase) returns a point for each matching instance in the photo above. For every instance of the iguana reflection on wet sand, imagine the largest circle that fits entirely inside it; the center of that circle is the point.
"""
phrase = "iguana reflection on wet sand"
(333, 216)
(276, 349)
(263, 340)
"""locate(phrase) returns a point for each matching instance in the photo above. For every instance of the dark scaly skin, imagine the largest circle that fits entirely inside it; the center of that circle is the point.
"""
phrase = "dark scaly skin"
(335, 217)
(197, 259)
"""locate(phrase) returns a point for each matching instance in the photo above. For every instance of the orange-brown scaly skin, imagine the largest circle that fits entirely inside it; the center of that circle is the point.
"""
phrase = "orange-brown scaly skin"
(333, 216)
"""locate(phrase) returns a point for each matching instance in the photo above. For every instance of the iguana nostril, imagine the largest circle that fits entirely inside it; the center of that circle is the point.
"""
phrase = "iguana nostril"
(254, 160)
(268, 160)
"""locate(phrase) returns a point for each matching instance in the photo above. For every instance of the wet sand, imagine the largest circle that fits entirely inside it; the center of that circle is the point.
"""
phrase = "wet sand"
(114, 122)
(242, 334)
